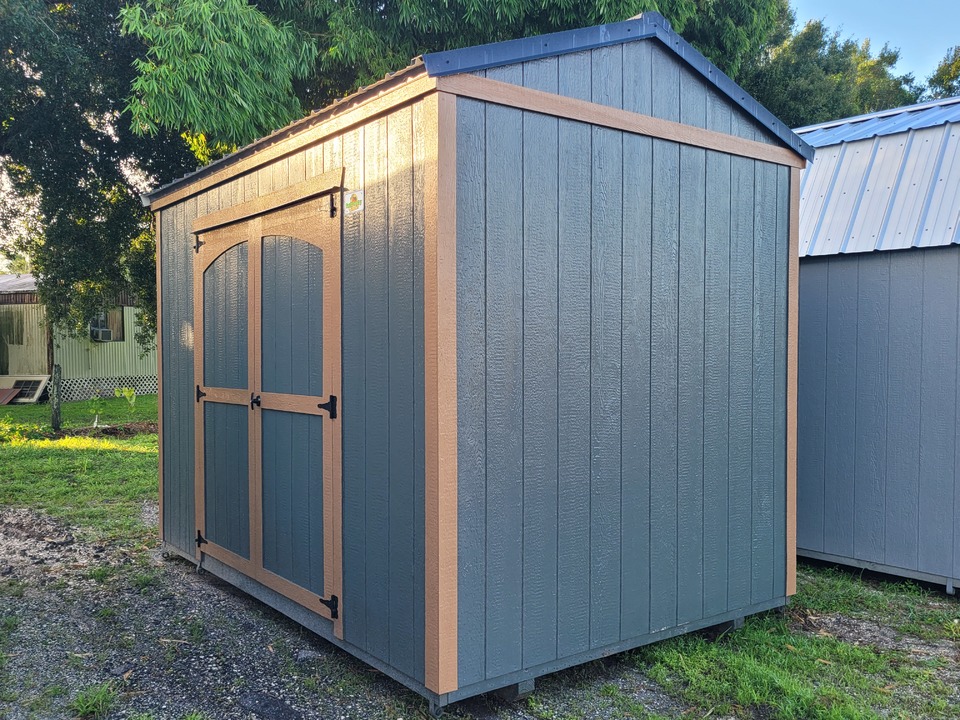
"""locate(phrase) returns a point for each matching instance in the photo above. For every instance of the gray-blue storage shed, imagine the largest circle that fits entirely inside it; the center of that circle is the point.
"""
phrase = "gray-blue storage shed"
(879, 477)
(488, 370)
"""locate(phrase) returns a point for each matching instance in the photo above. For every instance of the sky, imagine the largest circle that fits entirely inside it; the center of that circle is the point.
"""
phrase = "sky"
(922, 29)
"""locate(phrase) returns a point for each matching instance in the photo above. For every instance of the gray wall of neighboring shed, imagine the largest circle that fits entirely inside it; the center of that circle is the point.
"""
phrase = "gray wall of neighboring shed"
(383, 395)
(621, 373)
(878, 381)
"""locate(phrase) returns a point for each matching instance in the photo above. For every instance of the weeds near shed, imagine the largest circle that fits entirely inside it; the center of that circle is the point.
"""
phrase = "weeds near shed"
(94, 702)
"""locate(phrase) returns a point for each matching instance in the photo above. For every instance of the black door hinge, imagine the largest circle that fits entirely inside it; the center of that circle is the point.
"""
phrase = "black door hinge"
(330, 406)
(333, 206)
(197, 244)
(254, 400)
(200, 539)
(200, 393)
(334, 604)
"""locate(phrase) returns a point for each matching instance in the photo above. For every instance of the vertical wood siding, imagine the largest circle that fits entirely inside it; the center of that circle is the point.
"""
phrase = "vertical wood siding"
(383, 422)
(878, 419)
(646, 68)
(622, 372)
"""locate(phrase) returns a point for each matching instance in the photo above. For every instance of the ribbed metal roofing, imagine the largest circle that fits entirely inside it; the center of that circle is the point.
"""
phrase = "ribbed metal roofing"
(885, 181)
(17, 283)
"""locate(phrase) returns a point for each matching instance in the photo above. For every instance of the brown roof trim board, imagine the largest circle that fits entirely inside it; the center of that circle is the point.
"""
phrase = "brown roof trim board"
(19, 298)
(421, 76)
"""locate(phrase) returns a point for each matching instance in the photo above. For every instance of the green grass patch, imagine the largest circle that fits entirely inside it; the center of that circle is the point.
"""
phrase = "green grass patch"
(114, 411)
(98, 484)
(94, 702)
(903, 605)
(770, 670)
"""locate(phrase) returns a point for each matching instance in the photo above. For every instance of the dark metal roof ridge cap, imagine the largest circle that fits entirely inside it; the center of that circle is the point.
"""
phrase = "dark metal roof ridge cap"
(506, 52)
(918, 107)
(296, 126)
(647, 25)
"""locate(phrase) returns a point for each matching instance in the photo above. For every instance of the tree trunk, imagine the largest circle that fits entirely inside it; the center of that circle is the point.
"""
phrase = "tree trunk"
(55, 399)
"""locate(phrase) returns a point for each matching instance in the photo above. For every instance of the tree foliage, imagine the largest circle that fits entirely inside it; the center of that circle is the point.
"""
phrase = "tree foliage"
(217, 67)
(232, 73)
(70, 158)
(815, 75)
(945, 81)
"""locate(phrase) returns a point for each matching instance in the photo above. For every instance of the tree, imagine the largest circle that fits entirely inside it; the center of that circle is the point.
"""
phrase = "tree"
(815, 75)
(306, 54)
(945, 81)
(72, 161)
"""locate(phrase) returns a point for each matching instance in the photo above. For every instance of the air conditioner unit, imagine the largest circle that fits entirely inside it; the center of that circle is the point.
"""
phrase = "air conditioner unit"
(101, 334)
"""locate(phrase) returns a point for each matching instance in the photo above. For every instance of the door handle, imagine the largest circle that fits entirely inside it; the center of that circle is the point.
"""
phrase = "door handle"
(330, 406)
(254, 400)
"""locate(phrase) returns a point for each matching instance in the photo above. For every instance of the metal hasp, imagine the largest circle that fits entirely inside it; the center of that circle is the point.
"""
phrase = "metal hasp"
(333, 205)
(330, 406)
(254, 400)
(333, 604)
(197, 244)
(200, 539)
(200, 393)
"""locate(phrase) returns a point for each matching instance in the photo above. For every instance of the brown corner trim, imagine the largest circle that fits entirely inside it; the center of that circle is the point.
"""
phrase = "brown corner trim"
(159, 374)
(440, 367)
(793, 336)
(328, 182)
(365, 110)
(503, 93)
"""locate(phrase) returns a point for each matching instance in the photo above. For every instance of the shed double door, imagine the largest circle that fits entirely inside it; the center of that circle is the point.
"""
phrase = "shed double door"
(267, 368)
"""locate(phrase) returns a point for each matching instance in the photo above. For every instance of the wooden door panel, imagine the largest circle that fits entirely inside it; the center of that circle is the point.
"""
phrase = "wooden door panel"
(226, 477)
(225, 320)
(293, 507)
(292, 317)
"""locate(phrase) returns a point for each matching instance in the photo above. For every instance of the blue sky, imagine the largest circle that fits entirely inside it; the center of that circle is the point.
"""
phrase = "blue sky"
(922, 29)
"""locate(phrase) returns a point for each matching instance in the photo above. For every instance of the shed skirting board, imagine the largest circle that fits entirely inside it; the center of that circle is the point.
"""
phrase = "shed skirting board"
(323, 628)
(950, 583)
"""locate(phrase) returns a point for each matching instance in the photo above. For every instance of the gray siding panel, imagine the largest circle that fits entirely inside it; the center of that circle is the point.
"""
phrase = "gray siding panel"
(840, 428)
(663, 384)
(504, 390)
(740, 502)
(879, 386)
(938, 398)
(540, 389)
(179, 404)
(605, 336)
(471, 392)
(635, 408)
(602, 356)
(573, 362)
(690, 385)
(716, 384)
(811, 405)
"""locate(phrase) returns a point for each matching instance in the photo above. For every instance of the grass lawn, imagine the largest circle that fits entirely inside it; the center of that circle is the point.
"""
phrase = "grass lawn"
(97, 483)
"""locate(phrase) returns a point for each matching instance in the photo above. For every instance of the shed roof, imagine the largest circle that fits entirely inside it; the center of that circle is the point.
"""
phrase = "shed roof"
(648, 25)
(885, 181)
(24, 283)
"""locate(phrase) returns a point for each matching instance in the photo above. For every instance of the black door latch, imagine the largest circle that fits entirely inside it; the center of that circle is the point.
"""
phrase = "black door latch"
(333, 604)
(330, 406)
(254, 400)
(200, 393)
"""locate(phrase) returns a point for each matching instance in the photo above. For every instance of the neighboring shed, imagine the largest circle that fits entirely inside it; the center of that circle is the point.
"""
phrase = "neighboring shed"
(879, 479)
(28, 350)
(486, 370)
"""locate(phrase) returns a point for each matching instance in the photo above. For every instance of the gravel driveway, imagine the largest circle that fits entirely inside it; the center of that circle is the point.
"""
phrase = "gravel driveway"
(171, 642)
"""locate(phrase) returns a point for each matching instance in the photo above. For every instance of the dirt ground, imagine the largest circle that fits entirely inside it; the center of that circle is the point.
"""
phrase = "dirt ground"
(174, 642)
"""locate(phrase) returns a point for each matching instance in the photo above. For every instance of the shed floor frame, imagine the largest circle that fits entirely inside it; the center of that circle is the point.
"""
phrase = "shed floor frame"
(950, 584)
